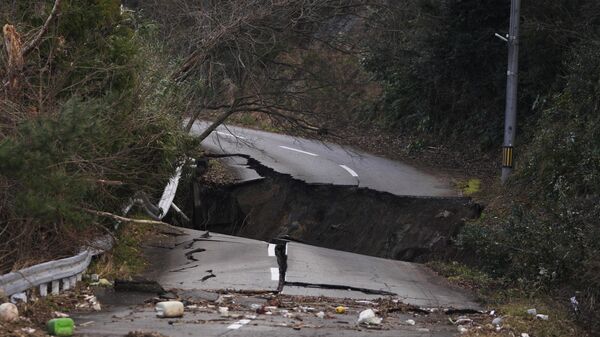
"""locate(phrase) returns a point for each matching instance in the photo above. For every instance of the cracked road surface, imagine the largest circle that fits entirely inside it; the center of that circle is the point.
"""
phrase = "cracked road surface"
(244, 273)
(412, 283)
(316, 162)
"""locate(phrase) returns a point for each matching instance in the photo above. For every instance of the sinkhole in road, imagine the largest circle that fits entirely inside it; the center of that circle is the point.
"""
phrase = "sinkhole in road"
(346, 218)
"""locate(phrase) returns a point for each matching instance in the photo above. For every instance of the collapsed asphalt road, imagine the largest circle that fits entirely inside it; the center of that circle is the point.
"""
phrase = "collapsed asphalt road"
(252, 265)
(338, 217)
(316, 162)
(244, 272)
(390, 210)
(320, 193)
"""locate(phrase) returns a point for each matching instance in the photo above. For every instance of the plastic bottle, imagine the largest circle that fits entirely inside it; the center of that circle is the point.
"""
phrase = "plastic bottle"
(62, 327)
(169, 309)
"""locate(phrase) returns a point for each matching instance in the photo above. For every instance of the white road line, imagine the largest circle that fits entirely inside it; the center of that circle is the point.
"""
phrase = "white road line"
(300, 151)
(238, 324)
(229, 135)
(274, 274)
(271, 250)
(351, 171)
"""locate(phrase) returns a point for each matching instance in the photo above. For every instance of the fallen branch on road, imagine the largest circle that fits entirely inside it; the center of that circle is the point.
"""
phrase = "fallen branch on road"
(124, 219)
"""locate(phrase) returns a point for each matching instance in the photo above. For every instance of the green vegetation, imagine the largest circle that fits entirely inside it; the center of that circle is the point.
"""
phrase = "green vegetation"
(92, 114)
(126, 258)
(90, 119)
(443, 74)
(511, 302)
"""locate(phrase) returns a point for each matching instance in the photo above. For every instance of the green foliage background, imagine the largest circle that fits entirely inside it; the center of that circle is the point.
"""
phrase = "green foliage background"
(100, 109)
(445, 74)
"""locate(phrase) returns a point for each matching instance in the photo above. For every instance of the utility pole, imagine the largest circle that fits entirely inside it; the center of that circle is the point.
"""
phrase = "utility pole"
(510, 121)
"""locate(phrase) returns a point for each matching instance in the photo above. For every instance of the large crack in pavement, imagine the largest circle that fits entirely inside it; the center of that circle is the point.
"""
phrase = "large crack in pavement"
(281, 254)
(347, 218)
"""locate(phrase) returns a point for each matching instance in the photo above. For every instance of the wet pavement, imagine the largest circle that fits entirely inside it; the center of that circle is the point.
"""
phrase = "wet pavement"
(212, 271)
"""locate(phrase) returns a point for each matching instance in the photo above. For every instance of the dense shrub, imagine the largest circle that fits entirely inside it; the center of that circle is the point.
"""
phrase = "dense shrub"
(95, 120)
(554, 241)
(444, 72)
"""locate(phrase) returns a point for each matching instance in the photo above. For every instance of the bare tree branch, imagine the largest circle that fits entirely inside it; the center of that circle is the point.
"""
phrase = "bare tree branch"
(38, 37)
(122, 218)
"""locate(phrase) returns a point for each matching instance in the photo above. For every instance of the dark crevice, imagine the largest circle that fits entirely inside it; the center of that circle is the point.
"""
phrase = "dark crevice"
(184, 268)
(209, 276)
(340, 287)
(190, 255)
(347, 218)
(280, 253)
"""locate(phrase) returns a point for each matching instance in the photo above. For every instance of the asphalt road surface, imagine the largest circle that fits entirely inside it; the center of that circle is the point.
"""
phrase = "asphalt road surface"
(209, 271)
(319, 162)
(224, 271)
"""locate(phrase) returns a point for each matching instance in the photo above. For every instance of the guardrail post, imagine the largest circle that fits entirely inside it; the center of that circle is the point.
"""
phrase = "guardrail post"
(79, 277)
(66, 284)
(44, 289)
(73, 281)
(55, 287)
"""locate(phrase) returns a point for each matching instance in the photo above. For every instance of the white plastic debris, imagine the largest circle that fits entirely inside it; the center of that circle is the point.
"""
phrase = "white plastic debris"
(410, 322)
(320, 315)
(493, 312)
(365, 302)
(28, 330)
(461, 320)
(524, 335)
(96, 307)
(462, 329)
(20, 297)
(104, 283)
(542, 317)
(497, 321)
(169, 309)
(93, 302)
(532, 312)
(255, 306)
(307, 309)
(9, 312)
(94, 277)
(575, 304)
(224, 311)
(59, 314)
(368, 317)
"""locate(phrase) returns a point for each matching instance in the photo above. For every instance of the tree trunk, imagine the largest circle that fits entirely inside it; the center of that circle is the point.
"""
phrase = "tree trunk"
(13, 45)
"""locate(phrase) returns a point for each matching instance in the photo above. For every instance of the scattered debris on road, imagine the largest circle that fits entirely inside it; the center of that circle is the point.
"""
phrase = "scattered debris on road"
(368, 317)
(143, 334)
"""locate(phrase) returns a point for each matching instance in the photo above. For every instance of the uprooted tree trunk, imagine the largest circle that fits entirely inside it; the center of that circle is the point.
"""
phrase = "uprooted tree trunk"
(14, 51)
(17, 51)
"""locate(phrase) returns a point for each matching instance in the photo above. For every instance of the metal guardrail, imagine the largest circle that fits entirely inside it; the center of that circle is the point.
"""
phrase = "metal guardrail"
(63, 274)
(54, 275)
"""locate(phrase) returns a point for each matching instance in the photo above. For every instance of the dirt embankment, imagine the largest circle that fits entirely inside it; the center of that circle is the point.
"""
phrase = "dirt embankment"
(339, 217)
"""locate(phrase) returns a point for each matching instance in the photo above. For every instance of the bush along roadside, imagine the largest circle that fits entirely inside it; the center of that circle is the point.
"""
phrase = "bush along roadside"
(543, 235)
(100, 124)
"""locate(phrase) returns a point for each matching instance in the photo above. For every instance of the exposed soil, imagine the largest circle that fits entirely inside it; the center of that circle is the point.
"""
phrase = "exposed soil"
(345, 218)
